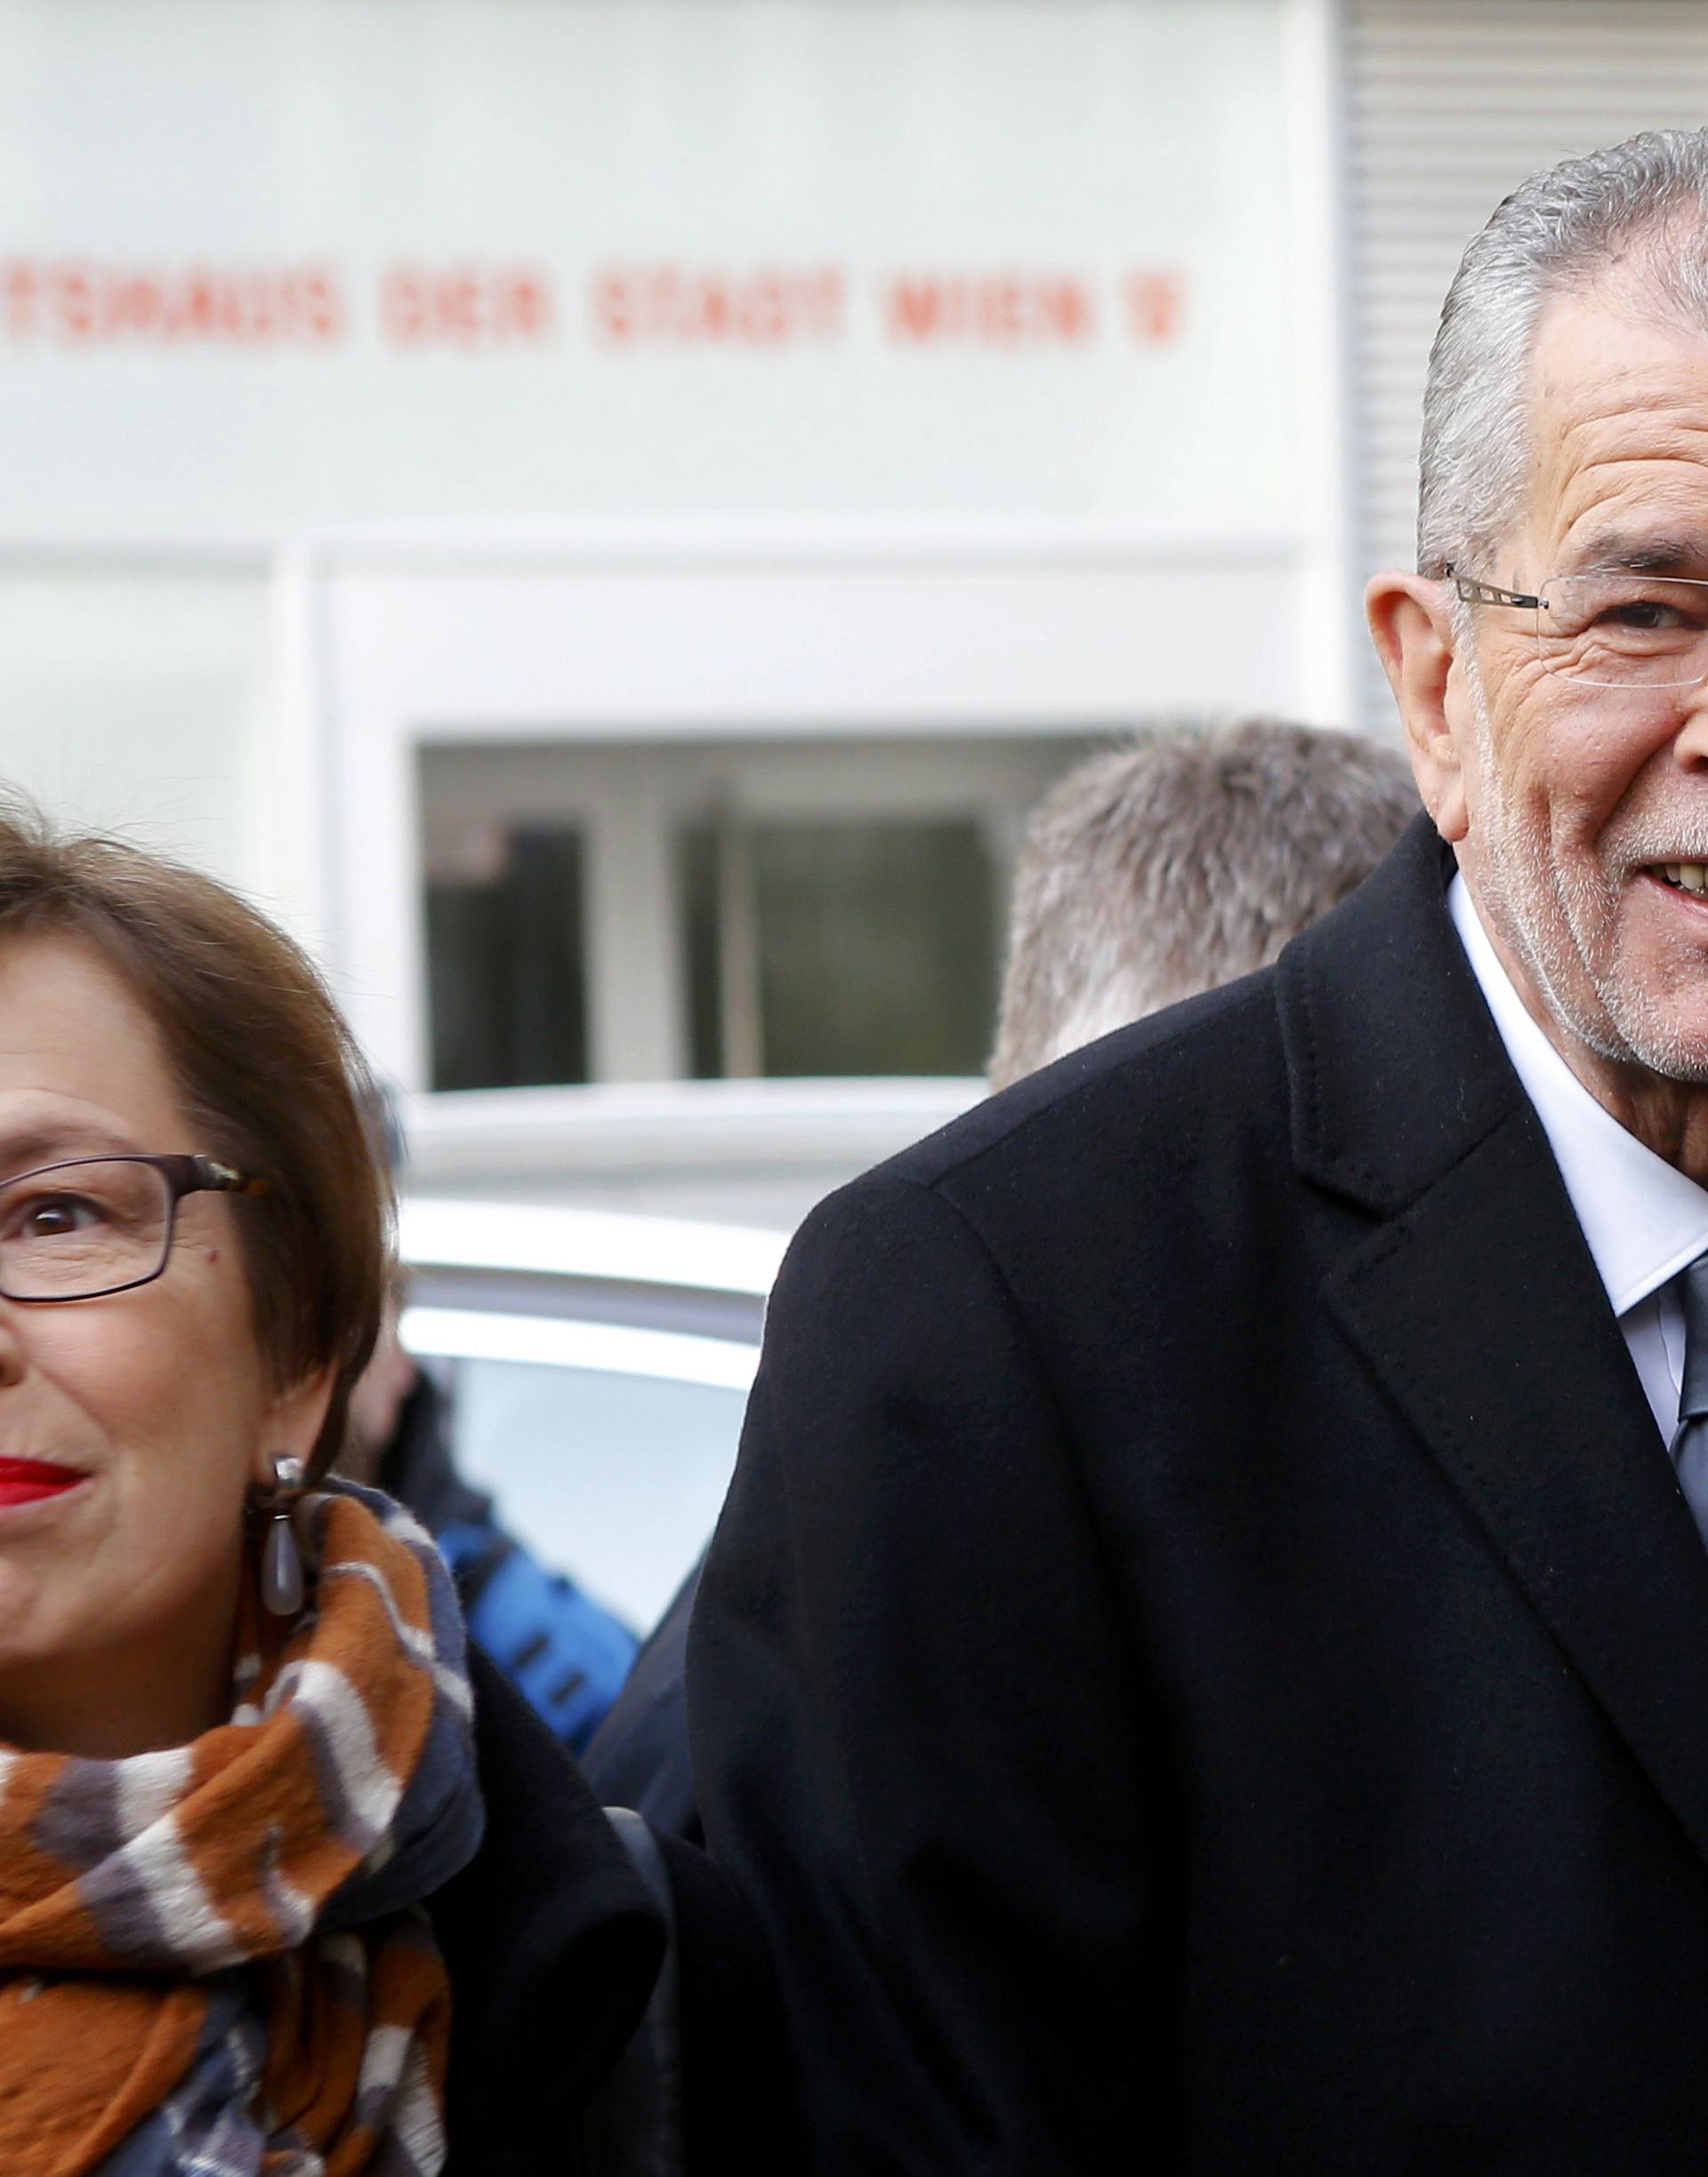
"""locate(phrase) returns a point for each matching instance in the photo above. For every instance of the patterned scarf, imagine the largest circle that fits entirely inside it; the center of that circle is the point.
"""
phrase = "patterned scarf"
(213, 1960)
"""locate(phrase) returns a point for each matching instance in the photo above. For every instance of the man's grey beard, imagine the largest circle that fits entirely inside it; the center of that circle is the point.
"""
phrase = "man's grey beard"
(1550, 915)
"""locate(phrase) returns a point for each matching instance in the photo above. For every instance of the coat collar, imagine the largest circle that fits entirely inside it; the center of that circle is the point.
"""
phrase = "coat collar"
(1395, 1065)
(1474, 1299)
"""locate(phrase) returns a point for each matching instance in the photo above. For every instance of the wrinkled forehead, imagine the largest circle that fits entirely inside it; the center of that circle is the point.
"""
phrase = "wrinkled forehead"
(1618, 437)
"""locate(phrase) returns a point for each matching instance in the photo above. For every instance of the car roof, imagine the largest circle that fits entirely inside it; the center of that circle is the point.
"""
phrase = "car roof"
(615, 1246)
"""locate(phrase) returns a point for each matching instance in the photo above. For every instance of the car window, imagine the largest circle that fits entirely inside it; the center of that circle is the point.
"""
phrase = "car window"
(616, 1480)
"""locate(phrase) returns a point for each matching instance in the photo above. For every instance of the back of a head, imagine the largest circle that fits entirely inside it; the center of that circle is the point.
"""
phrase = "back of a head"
(1179, 861)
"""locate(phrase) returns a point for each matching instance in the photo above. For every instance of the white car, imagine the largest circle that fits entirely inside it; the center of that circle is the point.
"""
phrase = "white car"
(598, 1364)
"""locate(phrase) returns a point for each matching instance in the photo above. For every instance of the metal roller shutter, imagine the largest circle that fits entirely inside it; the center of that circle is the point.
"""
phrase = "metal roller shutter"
(1449, 104)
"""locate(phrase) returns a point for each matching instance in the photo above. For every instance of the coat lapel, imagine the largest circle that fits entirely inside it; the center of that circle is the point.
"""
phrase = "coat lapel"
(1475, 1301)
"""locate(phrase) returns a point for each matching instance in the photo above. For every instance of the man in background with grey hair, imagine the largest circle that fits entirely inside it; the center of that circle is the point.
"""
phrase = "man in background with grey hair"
(1205, 1662)
(1179, 861)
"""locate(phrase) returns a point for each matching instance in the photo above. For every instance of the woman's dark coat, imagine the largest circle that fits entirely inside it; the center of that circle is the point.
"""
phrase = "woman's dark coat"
(552, 1944)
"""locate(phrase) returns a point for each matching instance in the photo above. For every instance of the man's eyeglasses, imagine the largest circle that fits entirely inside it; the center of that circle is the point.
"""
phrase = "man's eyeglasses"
(1611, 630)
(100, 1224)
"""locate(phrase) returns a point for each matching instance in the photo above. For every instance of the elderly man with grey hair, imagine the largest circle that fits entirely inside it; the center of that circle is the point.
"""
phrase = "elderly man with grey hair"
(1205, 1662)
(1179, 861)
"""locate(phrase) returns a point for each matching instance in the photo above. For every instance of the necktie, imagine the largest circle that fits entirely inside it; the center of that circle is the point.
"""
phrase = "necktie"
(1690, 1437)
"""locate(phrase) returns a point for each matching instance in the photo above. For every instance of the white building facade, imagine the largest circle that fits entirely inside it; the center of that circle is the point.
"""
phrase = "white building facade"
(609, 497)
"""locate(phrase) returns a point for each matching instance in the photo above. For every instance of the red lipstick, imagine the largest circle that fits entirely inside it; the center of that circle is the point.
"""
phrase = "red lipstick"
(26, 1481)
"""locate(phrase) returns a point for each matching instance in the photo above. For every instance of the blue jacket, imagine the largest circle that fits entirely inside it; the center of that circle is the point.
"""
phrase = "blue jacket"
(566, 1656)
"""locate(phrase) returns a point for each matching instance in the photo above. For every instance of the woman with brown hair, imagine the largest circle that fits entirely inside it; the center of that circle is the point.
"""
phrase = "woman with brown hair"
(285, 1886)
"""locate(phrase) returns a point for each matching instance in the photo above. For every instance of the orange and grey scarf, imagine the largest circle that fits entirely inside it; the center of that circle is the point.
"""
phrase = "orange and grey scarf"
(214, 1959)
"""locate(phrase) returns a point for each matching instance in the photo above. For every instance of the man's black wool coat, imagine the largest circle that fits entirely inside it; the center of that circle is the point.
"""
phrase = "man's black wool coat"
(1204, 1665)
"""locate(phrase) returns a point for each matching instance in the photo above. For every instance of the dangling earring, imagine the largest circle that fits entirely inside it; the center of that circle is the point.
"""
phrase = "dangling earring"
(281, 1561)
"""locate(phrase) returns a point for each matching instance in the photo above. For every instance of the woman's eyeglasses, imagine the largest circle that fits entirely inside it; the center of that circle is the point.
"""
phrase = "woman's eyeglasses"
(100, 1224)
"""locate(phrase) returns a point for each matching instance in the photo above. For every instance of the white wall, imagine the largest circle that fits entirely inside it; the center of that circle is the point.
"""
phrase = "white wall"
(161, 435)
(138, 698)
(814, 257)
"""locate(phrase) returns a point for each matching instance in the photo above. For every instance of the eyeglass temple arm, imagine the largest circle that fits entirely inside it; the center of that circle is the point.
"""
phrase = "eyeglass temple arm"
(212, 1177)
(1485, 593)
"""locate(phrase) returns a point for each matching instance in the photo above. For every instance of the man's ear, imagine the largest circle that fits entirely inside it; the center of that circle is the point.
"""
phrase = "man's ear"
(292, 1425)
(1411, 628)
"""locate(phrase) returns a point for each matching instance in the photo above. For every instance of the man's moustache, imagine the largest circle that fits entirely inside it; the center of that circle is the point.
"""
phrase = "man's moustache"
(1675, 843)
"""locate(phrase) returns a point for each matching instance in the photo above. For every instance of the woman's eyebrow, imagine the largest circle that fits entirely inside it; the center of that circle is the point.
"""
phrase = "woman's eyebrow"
(22, 1151)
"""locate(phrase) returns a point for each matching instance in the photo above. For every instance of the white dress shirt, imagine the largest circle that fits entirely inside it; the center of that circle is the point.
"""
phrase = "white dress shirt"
(1643, 1218)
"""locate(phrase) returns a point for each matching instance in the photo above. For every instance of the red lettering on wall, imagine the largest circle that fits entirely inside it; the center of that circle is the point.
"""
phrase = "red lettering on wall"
(82, 303)
(74, 294)
(136, 304)
(988, 310)
(22, 292)
(469, 306)
(491, 306)
(919, 310)
(674, 305)
(1155, 302)
(194, 311)
(320, 301)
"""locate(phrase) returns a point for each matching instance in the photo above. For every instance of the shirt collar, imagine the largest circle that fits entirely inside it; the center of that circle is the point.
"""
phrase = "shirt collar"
(1643, 1218)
